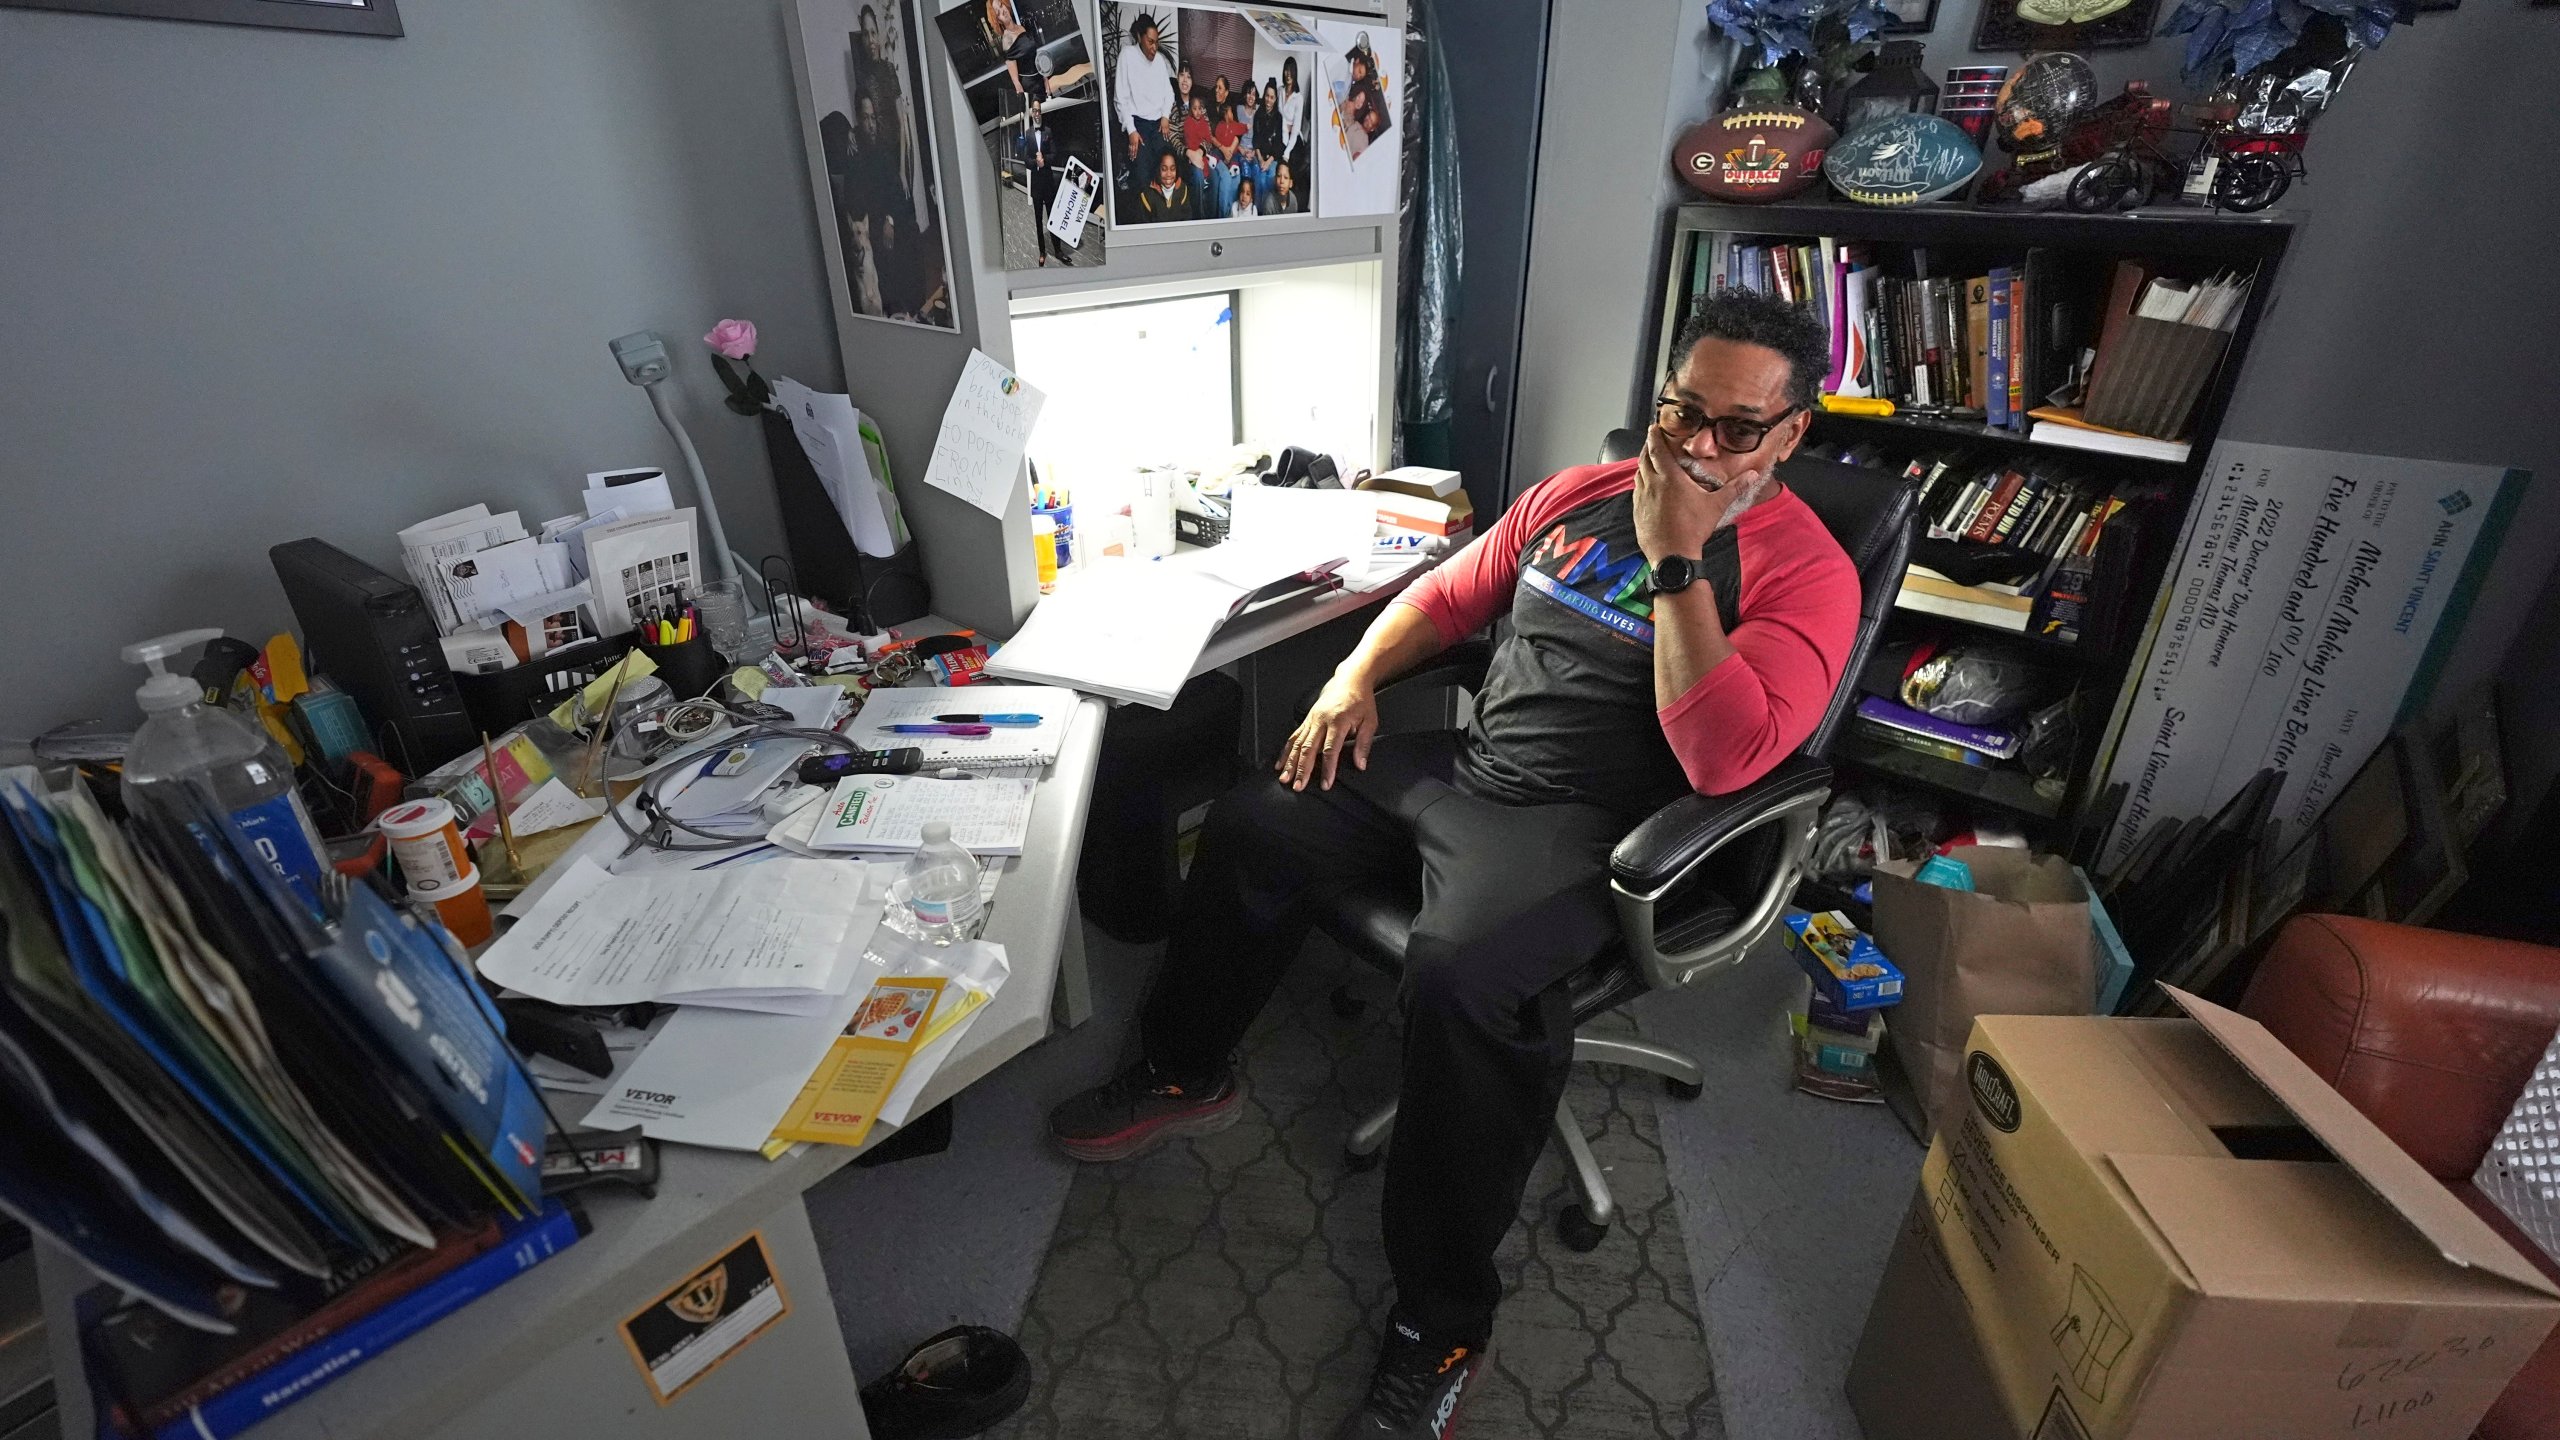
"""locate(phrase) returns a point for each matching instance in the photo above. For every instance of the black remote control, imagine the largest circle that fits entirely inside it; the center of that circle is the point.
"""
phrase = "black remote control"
(828, 769)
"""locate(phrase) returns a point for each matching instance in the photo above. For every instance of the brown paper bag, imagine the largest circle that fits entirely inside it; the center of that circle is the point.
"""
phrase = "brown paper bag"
(2018, 944)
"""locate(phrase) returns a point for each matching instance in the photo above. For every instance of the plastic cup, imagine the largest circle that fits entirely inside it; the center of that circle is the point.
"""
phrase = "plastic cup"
(721, 606)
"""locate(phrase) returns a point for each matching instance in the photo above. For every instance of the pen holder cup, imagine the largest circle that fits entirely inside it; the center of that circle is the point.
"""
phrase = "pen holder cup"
(689, 667)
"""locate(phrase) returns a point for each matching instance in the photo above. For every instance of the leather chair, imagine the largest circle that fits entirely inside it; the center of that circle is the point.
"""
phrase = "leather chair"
(2432, 1035)
(1702, 879)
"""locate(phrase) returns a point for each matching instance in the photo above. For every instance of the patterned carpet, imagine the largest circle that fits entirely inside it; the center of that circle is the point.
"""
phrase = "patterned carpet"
(1235, 1286)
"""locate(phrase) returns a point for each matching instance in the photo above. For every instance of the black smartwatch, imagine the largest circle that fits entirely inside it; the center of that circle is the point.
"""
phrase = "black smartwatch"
(1673, 574)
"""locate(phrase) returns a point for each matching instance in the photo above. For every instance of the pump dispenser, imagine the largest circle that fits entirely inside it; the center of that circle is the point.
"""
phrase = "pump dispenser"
(182, 738)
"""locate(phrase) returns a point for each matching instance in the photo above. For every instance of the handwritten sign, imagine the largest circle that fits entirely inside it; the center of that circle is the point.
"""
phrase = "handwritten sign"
(978, 455)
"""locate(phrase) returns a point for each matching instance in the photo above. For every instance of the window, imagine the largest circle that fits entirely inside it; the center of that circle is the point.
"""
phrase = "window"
(1130, 385)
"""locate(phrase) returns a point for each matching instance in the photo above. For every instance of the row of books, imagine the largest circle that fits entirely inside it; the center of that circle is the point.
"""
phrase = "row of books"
(1991, 346)
(2044, 522)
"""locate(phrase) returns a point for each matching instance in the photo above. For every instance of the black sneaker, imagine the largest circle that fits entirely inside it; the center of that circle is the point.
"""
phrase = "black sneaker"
(1415, 1391)
(961, 1382)
(1137, 1110)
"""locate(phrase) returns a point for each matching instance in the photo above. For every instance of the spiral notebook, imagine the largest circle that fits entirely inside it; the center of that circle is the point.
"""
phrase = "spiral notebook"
(1007, 747)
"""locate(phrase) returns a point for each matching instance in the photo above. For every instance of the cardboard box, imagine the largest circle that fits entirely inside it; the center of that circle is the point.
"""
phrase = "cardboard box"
(2146, 1229)
(1847, 969)
(1419, 504)
(1422, 480)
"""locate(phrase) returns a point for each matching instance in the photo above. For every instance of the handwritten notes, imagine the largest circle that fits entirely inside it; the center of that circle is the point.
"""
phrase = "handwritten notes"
(978, 455)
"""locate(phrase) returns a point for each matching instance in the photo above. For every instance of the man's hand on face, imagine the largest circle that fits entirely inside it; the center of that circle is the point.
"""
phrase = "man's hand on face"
(1675, 510)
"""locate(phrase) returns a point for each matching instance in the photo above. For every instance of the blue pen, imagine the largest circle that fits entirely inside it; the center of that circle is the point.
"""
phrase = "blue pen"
(940, 729)
(1005, 720)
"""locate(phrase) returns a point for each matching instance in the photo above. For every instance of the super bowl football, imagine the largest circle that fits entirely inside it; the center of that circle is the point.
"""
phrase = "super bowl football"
(1902, 160)
(1753, 152)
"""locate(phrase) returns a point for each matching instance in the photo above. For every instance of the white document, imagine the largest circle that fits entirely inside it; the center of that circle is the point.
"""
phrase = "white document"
(570, 532)
(551, 805)
(830, 434)
(598, 939)
(811, 707)
(1006, 746)
(987, 813)
(641, 490)
(710, 794)
(726, 1077)
(426, 546)
(978, 455)
(1277, 533)
(639, 564)
(1129, 629)
(484, 581)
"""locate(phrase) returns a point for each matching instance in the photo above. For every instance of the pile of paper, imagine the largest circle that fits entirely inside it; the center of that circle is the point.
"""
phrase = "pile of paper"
(783, 937)
(845, 448)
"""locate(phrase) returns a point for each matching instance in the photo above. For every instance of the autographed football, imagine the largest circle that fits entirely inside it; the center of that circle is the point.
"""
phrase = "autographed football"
(1902, 160)
(1753, 152)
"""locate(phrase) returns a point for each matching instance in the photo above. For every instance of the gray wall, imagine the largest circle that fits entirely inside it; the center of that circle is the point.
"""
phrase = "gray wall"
(2418, 304)
(262, 284)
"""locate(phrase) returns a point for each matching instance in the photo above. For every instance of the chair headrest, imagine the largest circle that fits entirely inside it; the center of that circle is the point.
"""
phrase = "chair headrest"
(1865, 510)
(1623, 444)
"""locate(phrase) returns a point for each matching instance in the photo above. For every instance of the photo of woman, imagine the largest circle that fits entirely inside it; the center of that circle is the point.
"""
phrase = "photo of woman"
(1038, 104)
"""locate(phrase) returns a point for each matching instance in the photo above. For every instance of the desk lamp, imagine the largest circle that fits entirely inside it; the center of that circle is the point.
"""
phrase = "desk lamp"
(643, 357)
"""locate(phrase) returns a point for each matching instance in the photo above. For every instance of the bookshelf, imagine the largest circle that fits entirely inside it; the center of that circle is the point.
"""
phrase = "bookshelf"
(2136, 549)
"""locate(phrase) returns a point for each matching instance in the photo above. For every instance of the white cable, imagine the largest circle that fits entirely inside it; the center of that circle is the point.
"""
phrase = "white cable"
(728, 567)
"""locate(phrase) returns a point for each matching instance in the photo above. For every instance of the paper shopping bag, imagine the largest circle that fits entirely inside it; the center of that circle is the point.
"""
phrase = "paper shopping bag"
(2017, 944)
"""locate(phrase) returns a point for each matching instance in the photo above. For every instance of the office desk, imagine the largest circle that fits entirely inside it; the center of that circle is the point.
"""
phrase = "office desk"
(542, 1356)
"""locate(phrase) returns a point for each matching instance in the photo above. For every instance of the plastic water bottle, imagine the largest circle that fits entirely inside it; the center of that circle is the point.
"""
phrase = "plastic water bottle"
(182, 738)
(935, 898)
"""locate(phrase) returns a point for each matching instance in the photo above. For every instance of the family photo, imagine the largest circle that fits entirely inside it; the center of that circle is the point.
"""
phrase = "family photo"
(1032, 90)
(1209, 118)
(875, 145)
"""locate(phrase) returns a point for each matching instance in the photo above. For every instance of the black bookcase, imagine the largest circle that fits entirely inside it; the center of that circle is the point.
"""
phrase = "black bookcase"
(2134, 558)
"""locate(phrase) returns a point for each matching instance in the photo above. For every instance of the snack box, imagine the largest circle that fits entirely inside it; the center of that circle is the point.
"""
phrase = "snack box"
(1847, 969)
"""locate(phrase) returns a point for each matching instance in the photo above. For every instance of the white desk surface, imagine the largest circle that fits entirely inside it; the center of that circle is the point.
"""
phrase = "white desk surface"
(706, 1198)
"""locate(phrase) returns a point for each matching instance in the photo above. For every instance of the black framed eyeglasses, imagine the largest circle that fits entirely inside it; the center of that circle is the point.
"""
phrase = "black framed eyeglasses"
(1735, 434)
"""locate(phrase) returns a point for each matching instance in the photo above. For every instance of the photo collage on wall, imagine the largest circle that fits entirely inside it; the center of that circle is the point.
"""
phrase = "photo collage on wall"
(1213, 113)
(1038, 102)
(873, 156)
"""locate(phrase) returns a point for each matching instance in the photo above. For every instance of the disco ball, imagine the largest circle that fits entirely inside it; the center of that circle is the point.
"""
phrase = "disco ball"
(2041, 100)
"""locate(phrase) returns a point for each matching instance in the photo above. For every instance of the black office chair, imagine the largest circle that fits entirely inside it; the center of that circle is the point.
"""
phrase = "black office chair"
(1699, 882)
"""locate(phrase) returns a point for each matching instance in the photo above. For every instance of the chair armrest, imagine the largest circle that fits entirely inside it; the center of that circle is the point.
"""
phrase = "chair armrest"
(1460, 667)
(1654, 860)
(1676, 837)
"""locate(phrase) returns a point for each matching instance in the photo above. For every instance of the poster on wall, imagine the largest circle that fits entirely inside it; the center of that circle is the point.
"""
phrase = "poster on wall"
(2317, 594)
(870, 137)
(1211, 117)
(1359, 151)
(1037, 100)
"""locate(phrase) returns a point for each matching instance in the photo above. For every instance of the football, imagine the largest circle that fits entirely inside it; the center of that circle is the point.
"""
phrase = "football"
(1753, 152)
(1902, 160)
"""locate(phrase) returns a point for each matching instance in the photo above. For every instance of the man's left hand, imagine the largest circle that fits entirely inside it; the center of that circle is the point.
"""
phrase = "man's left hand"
(1675, 511)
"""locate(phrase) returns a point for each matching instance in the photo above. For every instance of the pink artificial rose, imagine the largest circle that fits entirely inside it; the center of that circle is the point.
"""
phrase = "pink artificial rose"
(733, 338)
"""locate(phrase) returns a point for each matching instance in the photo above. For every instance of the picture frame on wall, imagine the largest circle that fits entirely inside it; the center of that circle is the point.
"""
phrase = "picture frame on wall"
(2039, 25)
(1912, 17)
(866, 113)
(342, 17)
(1212, 115)
(1029, 83)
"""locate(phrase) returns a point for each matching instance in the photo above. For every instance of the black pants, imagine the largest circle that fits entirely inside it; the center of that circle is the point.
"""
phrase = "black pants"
(1045, 180)
(1514, 898)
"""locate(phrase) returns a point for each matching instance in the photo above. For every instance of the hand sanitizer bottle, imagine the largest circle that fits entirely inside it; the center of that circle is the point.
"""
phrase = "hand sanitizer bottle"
(182, 738)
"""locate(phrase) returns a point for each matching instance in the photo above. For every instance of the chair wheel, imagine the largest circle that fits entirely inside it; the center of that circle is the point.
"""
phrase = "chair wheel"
(1347, 1005)
(1682, 1089)
(1360, 1164)
(1578, 1231)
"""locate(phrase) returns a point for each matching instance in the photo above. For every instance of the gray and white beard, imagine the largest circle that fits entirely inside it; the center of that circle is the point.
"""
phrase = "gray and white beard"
(1759, 492)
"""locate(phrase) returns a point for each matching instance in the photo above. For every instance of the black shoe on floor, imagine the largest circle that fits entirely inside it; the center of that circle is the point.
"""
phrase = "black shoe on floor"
(1137, 1110)
(962, 1382)
(1415, 1392)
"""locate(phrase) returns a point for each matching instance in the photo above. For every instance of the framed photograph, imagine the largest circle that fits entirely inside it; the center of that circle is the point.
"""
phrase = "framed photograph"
(346, 17)
(2036, 25)
(1211, 120)
(1912, 17)
(1037, 101)
(867, 123)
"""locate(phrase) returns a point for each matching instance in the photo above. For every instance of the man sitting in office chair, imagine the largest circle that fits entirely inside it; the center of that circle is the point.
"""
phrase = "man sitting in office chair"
(1677, 622)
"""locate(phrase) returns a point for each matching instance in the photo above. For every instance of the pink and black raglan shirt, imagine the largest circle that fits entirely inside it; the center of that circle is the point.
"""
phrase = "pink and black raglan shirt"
(1567, 712)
